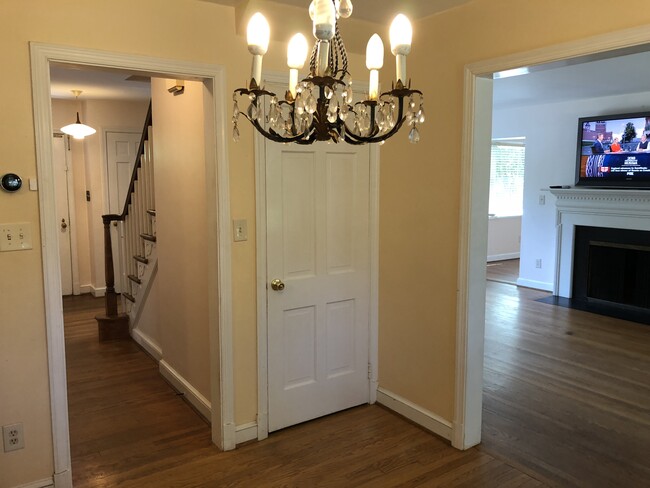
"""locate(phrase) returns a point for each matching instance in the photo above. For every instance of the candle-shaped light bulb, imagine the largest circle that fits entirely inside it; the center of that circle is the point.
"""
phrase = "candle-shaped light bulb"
(258, 34)
(324, 19)
(296, 56)
(401, 35)
(374, 62)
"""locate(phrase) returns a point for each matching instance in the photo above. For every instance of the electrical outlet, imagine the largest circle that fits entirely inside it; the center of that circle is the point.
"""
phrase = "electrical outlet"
(538, 263)
(542, 199)
(12, 436)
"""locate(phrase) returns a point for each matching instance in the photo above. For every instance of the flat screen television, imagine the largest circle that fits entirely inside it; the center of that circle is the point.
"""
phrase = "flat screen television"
(613, 151)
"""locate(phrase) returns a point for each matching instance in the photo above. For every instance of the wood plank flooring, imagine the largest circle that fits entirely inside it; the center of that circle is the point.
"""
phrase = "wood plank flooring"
(566, 403)
(566, 392)
(506, 271)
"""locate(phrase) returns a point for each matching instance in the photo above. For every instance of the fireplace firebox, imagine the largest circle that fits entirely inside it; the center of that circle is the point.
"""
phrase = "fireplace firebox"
(611, 272)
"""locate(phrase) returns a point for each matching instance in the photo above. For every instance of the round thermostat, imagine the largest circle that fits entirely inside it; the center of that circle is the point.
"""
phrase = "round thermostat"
(11, 182)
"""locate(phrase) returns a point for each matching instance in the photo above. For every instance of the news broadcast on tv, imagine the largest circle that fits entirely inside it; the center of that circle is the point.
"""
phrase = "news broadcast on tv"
(614, 148)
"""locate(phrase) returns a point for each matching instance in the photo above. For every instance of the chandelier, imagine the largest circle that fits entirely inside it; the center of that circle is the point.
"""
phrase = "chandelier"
(320, 107)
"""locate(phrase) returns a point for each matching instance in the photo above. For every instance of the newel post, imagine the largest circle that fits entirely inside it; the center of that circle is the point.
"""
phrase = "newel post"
(112, 325)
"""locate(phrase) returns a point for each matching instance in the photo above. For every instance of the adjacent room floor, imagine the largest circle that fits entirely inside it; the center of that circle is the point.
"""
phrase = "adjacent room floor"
(566, 403)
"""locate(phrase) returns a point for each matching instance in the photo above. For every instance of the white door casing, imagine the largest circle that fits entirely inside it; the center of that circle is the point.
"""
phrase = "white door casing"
(318, 245)
(121, 150)
(219, 261)
(62, 184)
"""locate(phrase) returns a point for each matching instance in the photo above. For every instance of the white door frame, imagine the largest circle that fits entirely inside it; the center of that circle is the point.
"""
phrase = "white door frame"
(262, 278)
(219, 261)
(475, 164)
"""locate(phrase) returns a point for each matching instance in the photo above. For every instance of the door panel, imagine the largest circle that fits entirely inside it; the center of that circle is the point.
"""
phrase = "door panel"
(318, 245)
(61, 165)
(121, 150)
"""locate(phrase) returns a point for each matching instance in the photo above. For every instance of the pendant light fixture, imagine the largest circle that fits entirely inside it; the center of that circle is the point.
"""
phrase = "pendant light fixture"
(78, 130)
(319, 107)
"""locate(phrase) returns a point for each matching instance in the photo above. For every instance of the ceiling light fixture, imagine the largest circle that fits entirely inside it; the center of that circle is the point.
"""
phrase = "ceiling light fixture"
(78, 130)
(317, 107)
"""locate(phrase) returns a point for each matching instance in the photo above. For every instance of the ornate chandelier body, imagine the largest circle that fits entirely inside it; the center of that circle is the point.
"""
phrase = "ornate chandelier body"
(320, 107)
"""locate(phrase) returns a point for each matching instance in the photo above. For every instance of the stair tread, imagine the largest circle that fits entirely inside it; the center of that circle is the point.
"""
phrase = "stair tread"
(129, 297)
(148, 237)
(135, 279)
(141, 259)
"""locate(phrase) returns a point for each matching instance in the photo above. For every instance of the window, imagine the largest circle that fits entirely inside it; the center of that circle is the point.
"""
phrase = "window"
(507, 177)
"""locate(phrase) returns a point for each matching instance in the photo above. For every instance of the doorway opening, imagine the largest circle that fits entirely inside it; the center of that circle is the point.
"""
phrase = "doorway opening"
(219, 325)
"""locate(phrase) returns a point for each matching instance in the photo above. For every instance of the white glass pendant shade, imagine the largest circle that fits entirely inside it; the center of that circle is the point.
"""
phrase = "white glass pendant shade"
(324, 19)
(258, 34)
(375, 53)
(78, 130)
(297, 52)
(401, 35)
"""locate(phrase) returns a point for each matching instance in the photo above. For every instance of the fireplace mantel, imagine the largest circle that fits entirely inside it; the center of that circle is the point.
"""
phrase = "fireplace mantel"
(617, 209)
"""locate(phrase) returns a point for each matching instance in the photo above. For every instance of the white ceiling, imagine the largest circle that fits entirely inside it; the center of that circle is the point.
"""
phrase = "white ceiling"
(97, 84)
(380, 11)
(614, 76)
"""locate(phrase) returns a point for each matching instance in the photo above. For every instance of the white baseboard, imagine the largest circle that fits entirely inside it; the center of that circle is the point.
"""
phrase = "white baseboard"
(46, 483)
(63, 479)
(181, 385)
(147, 344)
(503, 257)
(97, 292)
(537, 285)
(415, 413)
(83, 289)
(246, 432)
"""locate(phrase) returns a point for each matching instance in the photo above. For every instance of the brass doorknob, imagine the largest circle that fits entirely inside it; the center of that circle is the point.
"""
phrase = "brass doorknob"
(277, 285)
(64, 226)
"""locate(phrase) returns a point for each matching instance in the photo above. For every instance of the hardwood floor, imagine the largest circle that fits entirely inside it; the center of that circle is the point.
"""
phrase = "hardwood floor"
(503, 271)
(566, 403)
(566, 392)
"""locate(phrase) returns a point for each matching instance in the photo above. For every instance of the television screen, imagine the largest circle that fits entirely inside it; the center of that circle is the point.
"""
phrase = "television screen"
(614, 151)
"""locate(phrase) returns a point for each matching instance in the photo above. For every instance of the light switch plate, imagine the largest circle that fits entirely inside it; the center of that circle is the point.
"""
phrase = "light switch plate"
(240, 230)
(16, 237)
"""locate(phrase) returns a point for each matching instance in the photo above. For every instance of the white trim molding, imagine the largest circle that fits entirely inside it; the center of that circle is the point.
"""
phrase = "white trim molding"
(147, 344)
(44, 483)
(181, 385)
(246, 432)
(415, 413)
(477, 120)
(219, 262)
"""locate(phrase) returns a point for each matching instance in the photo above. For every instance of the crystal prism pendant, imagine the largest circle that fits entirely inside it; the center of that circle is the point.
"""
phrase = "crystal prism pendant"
(414, 135)
(252, 111)
(235, 110)
(328, 92)
(235, 133)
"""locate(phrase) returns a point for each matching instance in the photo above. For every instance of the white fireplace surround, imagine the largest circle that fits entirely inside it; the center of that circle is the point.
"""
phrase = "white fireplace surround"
(617, 209)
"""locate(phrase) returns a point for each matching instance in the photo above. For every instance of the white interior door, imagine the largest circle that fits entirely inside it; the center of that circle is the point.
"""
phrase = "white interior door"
(121, 150)
(62, 167)
(318, 245)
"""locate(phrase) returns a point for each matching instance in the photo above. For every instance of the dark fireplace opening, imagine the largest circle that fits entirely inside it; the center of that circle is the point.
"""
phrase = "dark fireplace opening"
(611, 272)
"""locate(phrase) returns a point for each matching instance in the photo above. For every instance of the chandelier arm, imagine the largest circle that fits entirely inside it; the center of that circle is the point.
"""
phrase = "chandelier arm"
(272, 135)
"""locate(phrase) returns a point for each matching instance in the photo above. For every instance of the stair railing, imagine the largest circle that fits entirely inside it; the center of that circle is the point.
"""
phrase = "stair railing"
(139, 199)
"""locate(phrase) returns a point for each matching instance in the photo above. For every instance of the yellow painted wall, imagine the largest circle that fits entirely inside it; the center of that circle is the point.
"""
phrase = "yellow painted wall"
(419, 185)
(181, 230)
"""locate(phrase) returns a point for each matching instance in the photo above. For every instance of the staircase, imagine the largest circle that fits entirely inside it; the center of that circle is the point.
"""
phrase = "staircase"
(137, 243)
